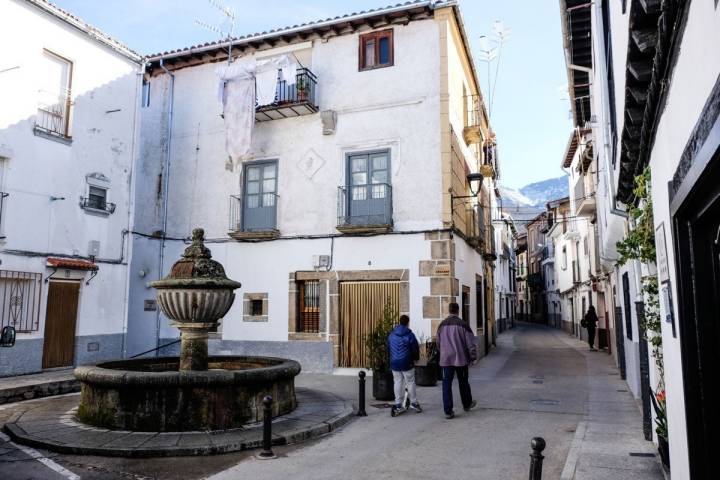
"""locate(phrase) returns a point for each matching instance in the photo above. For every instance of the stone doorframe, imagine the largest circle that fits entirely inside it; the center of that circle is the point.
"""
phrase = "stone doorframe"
(330, 300)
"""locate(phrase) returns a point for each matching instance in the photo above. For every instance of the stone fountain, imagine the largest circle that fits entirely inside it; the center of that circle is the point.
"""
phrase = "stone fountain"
(195, 391)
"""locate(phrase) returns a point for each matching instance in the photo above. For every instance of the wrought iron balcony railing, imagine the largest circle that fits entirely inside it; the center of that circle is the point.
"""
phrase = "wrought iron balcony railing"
(365, 208)
(291, 100)
(93, 204)
(254, 216)
(53, 113)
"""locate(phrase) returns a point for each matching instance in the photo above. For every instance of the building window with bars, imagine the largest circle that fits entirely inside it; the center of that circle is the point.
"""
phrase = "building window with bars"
(309, 311)
(20, 294)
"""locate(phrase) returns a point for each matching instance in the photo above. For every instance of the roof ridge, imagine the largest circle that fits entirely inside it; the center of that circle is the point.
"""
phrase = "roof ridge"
(289, 28)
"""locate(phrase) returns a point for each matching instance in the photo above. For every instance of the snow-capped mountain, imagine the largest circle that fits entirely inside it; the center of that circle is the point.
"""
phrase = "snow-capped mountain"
(535, 194)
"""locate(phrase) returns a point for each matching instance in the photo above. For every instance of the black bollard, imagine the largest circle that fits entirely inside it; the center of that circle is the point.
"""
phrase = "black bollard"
(361, 394)
(267, 452)
(536, 458)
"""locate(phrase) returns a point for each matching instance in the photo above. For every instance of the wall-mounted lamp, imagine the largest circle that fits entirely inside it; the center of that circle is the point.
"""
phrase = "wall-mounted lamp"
(475, 181)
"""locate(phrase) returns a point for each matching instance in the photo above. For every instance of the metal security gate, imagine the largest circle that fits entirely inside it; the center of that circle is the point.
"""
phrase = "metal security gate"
(20, 300)
(361, 307)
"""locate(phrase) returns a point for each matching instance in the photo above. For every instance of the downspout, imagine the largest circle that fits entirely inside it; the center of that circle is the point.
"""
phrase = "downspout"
(166, 185)
(136, 132)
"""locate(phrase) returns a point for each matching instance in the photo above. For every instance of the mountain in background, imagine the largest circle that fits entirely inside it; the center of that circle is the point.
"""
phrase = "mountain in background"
(535, 194)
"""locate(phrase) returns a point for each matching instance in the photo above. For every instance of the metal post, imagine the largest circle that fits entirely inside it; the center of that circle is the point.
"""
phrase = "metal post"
(536, 458)
(267, 452)
(361, 394)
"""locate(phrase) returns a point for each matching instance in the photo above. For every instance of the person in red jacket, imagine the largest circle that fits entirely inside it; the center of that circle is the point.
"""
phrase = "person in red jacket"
(456, 343)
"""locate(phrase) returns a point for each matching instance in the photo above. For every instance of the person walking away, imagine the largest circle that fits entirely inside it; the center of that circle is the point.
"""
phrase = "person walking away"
(591, 320)
(404, 351)
(456, 343)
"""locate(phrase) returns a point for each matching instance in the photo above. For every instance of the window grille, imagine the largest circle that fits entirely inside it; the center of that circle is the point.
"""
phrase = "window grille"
(20, 294)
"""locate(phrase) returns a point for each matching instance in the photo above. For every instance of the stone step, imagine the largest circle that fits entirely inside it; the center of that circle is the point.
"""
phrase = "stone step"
(27, 387)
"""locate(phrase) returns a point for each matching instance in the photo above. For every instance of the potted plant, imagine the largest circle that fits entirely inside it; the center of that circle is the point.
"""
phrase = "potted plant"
(426, 367)
(378, 355)
(301, 87)
(658, 400)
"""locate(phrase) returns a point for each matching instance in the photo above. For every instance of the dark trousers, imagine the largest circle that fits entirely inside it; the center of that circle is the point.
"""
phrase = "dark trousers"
(591, 337)
(447, 381)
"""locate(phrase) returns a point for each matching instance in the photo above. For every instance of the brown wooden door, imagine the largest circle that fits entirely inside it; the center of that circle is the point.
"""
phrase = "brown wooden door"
(60, 319)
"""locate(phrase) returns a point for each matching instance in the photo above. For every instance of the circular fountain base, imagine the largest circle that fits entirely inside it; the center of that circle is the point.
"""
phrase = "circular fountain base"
(152, 395)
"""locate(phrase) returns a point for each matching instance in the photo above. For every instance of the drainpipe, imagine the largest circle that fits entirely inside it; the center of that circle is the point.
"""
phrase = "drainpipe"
(136, 132)
(166, 185)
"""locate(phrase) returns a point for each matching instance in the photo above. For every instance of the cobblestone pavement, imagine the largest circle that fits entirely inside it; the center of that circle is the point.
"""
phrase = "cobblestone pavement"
(538, 382)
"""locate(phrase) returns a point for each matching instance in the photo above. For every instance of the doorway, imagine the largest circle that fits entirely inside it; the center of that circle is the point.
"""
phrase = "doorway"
(60, 323)
(361, 309)
(696, 228)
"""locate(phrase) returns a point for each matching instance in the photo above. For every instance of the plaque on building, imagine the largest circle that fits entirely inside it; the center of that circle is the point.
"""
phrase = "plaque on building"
(150, 305)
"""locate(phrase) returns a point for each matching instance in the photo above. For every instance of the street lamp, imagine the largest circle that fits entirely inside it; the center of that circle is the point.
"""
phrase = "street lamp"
(475, 178)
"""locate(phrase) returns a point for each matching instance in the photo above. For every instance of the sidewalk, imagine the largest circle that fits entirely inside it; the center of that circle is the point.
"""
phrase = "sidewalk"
(609, 442)
(37, 385)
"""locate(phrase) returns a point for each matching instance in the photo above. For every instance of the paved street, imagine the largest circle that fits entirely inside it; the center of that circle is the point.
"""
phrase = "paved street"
(538, 382)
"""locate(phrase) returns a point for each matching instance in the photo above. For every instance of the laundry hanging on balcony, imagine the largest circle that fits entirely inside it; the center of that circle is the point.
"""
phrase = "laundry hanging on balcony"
(237, 87)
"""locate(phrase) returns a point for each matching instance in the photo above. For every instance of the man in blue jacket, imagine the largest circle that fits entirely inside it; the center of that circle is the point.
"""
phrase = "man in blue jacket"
(404, 350)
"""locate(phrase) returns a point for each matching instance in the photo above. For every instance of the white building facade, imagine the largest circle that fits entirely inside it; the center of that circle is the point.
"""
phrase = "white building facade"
(67, 145)
(354, 191)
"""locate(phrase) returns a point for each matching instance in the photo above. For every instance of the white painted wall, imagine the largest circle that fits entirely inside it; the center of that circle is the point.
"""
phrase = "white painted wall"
(694, 76)
(104, 93)
(395, 108)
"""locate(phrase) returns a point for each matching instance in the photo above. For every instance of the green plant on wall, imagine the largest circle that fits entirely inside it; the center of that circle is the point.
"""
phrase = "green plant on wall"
(376, 340)
(639, 244)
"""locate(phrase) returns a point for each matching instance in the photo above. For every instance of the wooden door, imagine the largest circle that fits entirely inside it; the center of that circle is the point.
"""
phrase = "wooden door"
(60, 319)
(361, 308)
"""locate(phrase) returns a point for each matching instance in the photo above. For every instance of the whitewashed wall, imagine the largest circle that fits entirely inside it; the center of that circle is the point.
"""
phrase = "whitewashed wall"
(104, 93)
(397, 108)
(694, 75)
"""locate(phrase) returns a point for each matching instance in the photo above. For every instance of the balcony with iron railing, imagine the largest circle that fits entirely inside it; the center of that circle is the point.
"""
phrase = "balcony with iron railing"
(96, 205)
(52, 118)
(488, 247)
(291, 100)
(365, 208)
(255, 217)
(475, 226)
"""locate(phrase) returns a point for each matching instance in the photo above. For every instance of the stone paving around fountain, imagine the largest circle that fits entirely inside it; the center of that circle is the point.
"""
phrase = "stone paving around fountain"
(51, 424)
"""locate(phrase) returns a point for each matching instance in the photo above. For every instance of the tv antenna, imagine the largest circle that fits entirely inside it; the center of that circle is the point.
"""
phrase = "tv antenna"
(491, 51)
(228, 34)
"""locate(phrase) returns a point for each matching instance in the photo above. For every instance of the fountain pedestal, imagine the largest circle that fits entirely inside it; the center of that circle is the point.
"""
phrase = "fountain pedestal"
(194, 392)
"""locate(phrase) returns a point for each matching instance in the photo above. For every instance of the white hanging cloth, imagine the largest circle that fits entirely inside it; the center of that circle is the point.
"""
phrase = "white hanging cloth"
(242, 84)
(236, 92)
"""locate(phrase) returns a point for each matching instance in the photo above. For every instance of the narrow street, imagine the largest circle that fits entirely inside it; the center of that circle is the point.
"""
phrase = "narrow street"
(538, 382)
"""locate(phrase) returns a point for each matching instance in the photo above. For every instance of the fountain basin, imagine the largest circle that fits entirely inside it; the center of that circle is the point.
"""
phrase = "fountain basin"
(153, 395)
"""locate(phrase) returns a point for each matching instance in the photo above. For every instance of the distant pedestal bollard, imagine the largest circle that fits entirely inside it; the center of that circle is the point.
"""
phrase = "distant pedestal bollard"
(267, 452)
(536, 458)
(361, 394)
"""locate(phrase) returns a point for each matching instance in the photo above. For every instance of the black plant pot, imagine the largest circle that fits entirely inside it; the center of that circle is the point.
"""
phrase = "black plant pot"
(383, 386)
(664, 450)
(426, 375)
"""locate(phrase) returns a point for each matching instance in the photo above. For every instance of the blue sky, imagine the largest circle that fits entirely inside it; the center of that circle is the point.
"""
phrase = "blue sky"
(530, 114)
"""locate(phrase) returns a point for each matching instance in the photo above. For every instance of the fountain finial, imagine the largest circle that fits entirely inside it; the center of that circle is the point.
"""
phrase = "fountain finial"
(197, 248)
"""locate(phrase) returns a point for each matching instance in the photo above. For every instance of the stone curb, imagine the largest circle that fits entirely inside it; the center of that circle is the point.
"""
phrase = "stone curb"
(245, 440)
(38, 390)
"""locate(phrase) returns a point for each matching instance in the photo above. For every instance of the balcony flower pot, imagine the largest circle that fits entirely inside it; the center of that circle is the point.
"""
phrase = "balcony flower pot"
(426, 374)
(383, 388)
